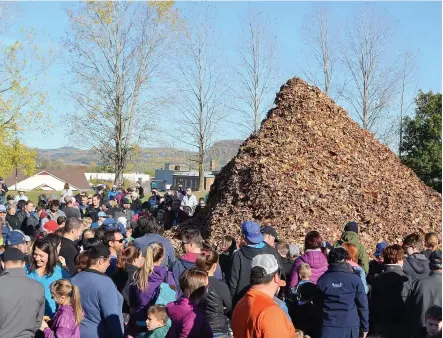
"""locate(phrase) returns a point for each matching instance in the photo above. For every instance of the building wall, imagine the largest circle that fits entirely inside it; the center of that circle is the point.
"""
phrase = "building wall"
(192, 182)
(164, 175)
(134, 177)
(35, 181)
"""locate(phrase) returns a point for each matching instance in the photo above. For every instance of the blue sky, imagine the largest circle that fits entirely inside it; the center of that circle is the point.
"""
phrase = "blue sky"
(416, 27)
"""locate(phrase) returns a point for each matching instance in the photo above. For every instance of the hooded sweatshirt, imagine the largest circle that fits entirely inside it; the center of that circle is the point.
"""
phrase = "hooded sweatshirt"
(187, 320)
(416, 266)
(352, 237)
(316, 260)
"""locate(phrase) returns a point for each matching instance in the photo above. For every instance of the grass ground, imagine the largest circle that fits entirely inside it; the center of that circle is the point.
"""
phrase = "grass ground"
(33, 195)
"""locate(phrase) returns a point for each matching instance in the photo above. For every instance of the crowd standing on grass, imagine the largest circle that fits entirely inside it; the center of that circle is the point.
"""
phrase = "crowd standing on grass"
(99, 266)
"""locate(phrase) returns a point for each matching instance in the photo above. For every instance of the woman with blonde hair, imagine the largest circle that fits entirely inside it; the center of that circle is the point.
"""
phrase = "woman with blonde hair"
(145, 287)
(65, 193)
(66, 322)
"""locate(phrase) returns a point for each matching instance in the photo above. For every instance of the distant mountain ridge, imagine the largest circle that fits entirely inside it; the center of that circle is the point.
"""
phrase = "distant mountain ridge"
(150, 158)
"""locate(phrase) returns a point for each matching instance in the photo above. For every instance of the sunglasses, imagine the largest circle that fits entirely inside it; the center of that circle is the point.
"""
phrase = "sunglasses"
(121, 240)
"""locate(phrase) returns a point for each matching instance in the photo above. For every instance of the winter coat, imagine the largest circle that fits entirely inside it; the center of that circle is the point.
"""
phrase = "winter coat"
(101, 303)
(69, 252)
(316, 260)
(188, 262)
(287, 267)
(352, 237)
(72, 212)
(32, 225)
(427, 253)
(389, 294)
(136, 205)
(173, 218)
(112, 193)
(375, 269)
(425, 293)
(240, 276)
(46, 281)
(63, 324)
(187, 320)
(123, 279)
(140, 300)
(13, 221)
(341, 299)
(225, 259)
(146, 240)
(416, 266)
(217, 304)
(22, 304)
(359, 271)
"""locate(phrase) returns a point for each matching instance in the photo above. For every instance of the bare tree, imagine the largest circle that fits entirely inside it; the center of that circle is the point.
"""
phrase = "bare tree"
(370, 91)
(255, 74)
(116, 50)
(407, 78)
(201, 89)
(321, 42)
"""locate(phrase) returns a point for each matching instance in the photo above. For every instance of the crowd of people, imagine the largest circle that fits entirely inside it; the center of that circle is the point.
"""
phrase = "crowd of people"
(99, 266)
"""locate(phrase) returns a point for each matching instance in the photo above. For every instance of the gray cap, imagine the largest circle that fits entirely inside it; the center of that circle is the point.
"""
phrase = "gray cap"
(294, 250)
(266, 261)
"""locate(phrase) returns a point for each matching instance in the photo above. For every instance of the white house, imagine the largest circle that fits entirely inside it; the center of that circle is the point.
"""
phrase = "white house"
(133, 177)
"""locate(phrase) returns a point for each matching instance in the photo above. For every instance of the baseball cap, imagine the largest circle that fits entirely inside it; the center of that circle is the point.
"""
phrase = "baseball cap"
(251, 230)
(2, 208)
(126, 201)
(270, 231)
(294, 250)
(379, 248)
(51, 225)
(14, 238)
(435, 259)
(27, 238)
(268, 263)
(102, 214)
(13, 254)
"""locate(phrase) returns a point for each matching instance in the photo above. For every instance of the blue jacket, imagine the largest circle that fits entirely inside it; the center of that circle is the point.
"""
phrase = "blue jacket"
(143, 242)
(46, 281)
(342, 299)
(102, 305)
(112, 194)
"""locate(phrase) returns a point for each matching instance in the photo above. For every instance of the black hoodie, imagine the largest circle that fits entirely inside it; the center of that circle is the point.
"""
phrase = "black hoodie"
(416, 266)
(240, 275)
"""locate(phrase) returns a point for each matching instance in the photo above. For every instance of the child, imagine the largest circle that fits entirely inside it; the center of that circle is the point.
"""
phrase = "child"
(129, 237)
(431, 244)
(283, 250)
(66, 321)
(376, 265)
(432, 322)
(61, 220)
(87, 221)
(157, 323)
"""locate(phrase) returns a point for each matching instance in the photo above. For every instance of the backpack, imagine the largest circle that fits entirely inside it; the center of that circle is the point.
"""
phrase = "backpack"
(165, 294)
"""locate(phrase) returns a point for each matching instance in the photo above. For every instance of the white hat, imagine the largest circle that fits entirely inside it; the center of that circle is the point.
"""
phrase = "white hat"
(265, 261)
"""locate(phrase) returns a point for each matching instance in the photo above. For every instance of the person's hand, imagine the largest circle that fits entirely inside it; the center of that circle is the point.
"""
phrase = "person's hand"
(62, 260)
(44, 325)
(363, 334)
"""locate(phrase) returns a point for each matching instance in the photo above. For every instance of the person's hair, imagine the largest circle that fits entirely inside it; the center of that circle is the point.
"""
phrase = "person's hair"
(61, 220)
(412, 240)
(72, 223)
(392, 254)
(154, 252)
(93, 261)
(227, 241)
(88, 230)
(337, 255)
(54, 239)
(81, 261)
(431, 240)
(434, 312)
(352, 251)
(97, 196)
(192, 236)
(313, 240)
(87, 221)
(206, 260)
(54, 203)
(47, 247)
(63, 287)
(193, 284)
(21, 204)
(59, 232)
(12, 206)
(149, 225)
(66, 186)
(159, 312)
(128, 228)
(300, 334)
(283, 248)
(259, 276)
(68, 199)
(38, 209)
(28, 202)
(304, 271)
(100, 233)
(128, 256)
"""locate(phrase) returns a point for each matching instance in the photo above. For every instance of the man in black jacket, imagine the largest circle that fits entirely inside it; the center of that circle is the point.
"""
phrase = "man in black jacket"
(70, 211)
(69, 251)
(239, 280)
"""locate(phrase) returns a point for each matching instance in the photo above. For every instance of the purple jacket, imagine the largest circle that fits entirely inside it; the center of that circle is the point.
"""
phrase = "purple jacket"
(142, 300)
(187, 320)
(63, 324)
(316, 260)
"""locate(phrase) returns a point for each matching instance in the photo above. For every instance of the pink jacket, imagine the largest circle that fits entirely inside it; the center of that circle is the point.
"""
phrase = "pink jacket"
(316, 260)
(63, 324)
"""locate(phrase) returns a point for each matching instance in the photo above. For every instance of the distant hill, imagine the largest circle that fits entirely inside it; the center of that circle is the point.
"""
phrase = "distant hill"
(149, 160)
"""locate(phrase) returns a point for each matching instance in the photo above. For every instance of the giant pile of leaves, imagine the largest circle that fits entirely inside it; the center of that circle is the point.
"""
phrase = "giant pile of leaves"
(311, 167)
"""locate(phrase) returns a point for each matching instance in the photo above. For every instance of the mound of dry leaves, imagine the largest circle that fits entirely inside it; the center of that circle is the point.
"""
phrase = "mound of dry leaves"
(311, 167)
